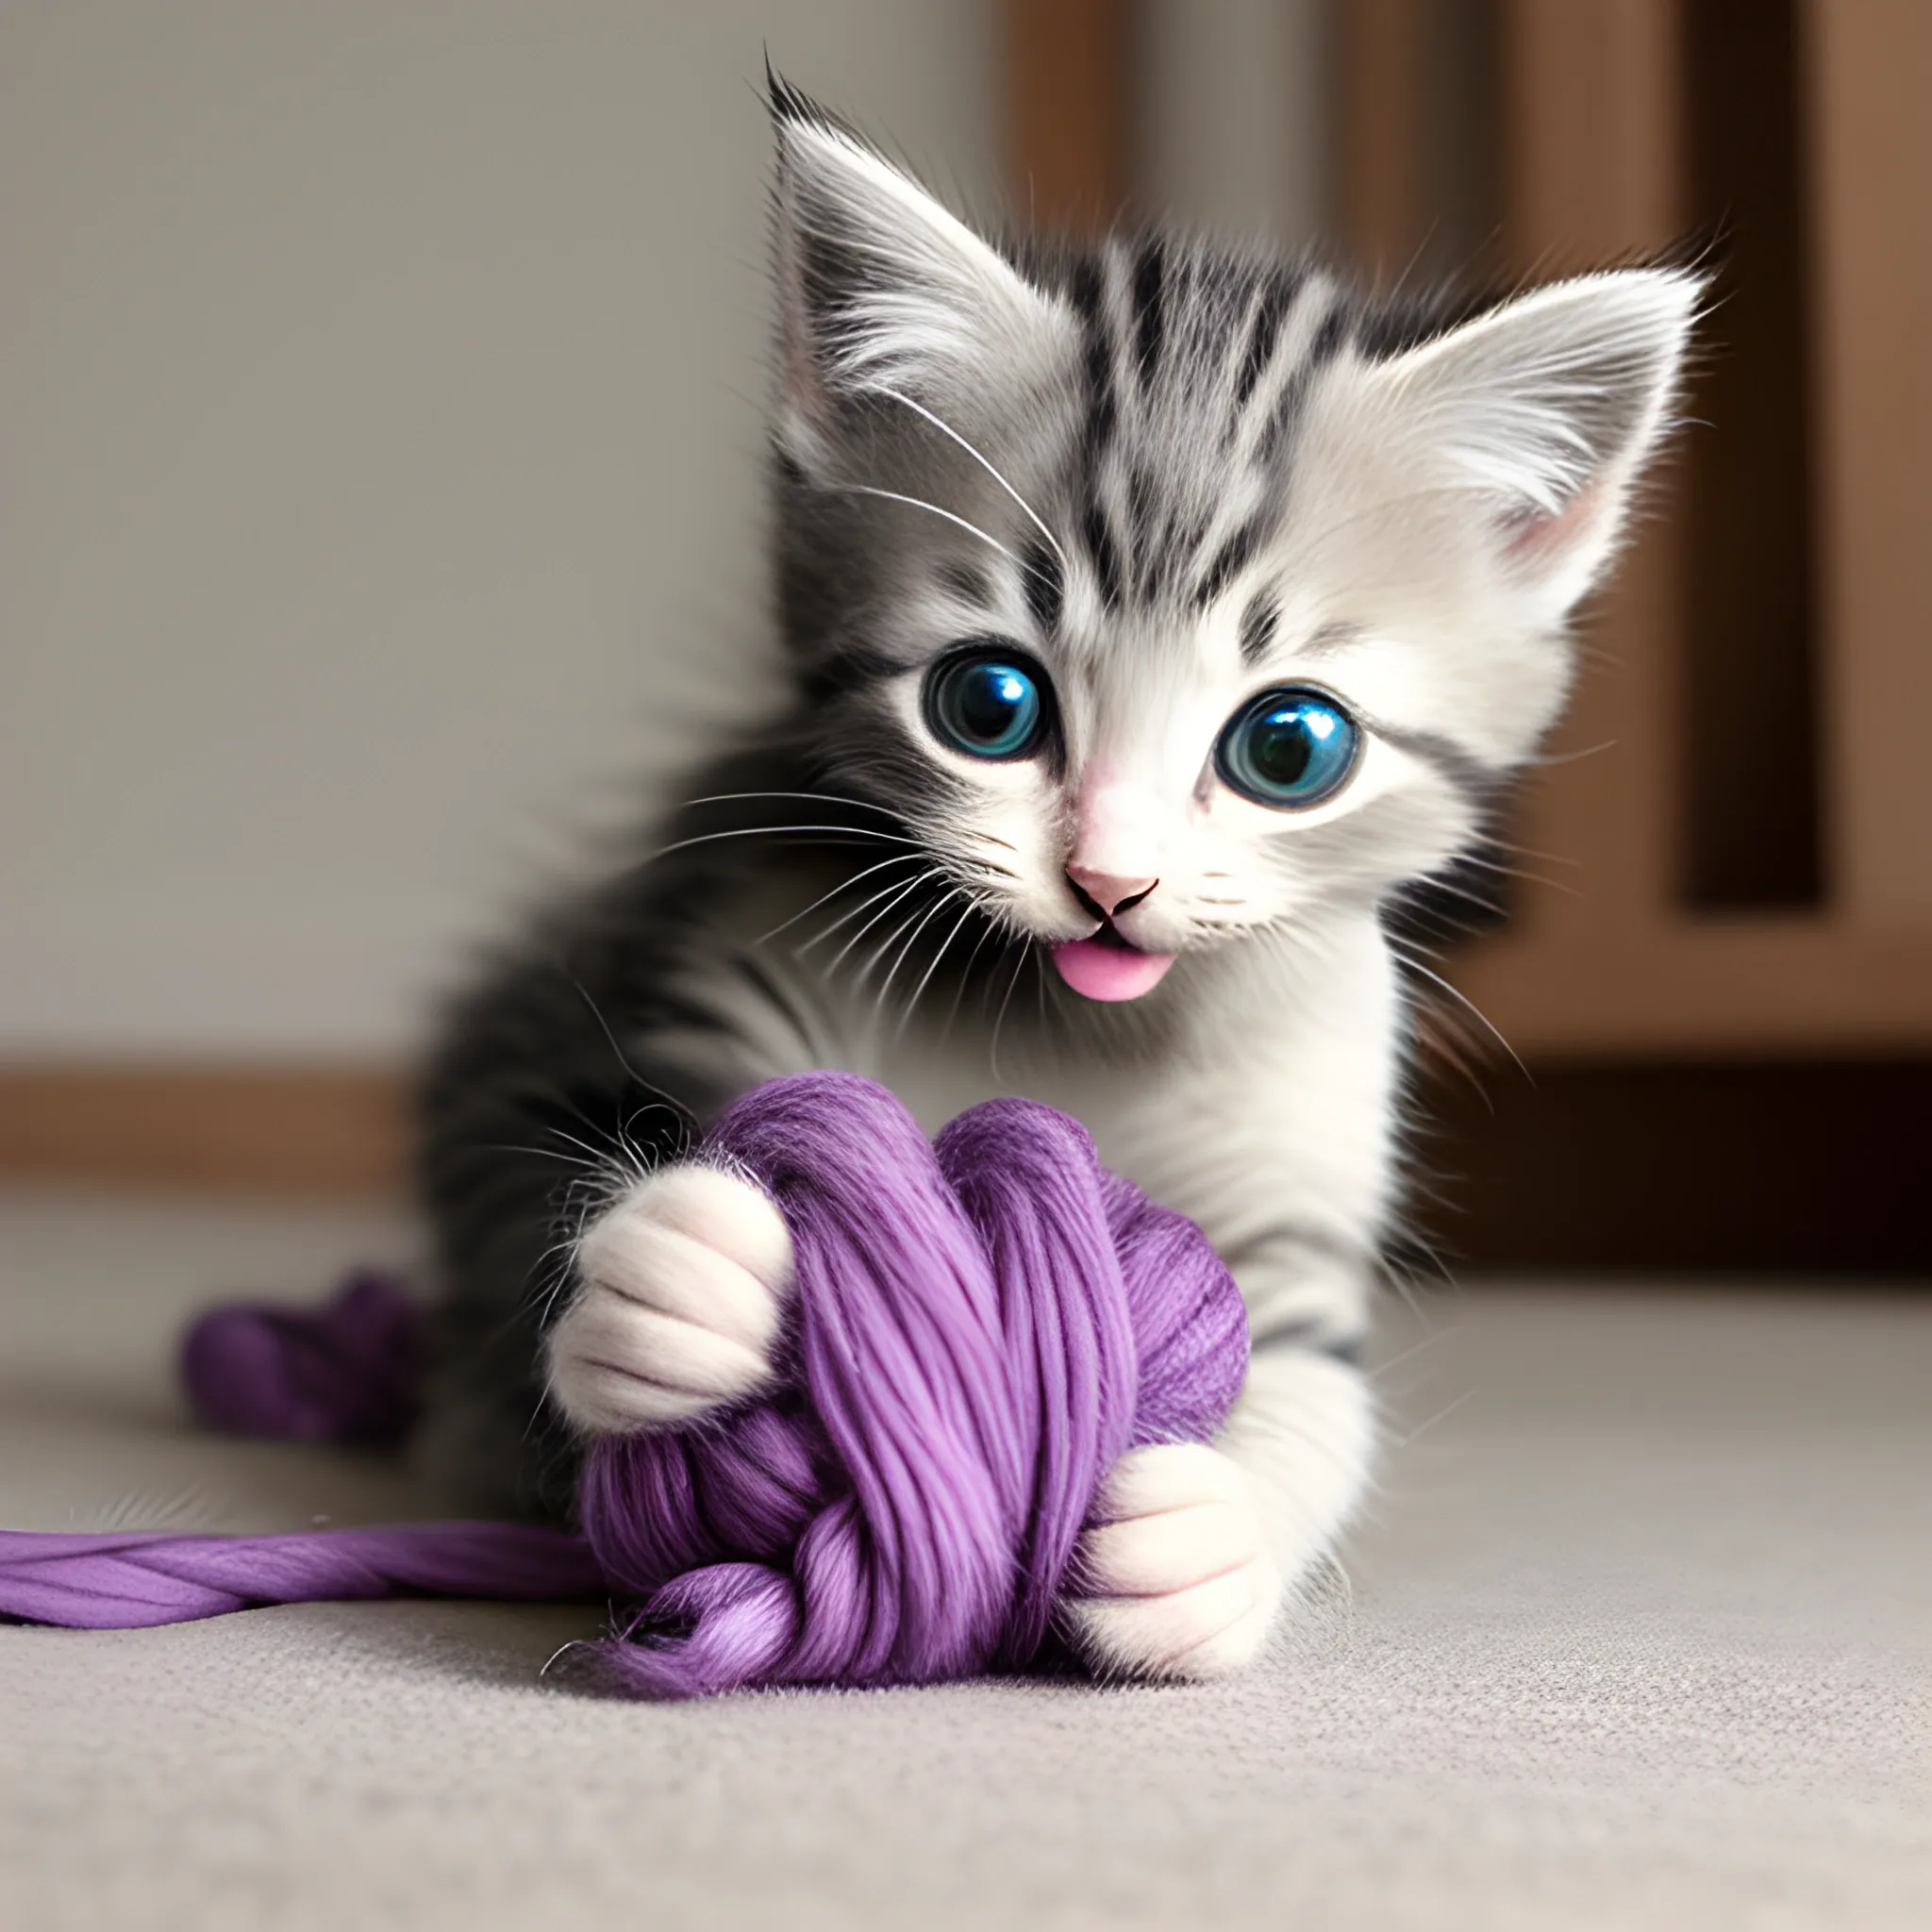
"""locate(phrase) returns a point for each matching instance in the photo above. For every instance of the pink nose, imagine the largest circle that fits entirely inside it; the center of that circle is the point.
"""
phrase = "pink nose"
(1108, 889)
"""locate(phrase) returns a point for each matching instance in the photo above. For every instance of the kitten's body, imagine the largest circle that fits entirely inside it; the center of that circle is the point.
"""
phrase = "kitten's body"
(1165, 477)
(701, 985)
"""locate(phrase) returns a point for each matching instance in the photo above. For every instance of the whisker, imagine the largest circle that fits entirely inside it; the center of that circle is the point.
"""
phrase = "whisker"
(552, 1272)
(1517, 871)
(1439, 882)
(817, 938)
(600, 1156)
(1530, 852)
(916, 919)
(884, 912)
(1415, 965)
(1415, 1348)
(992, 926)
(918, 916)
(582, 1160)
(778, 831)
(1572, 757)
(891, 893)
(926, 979)
(919, 503)
(905, 952)
(843, 886)
(811, 799)
(947, 429)
(677, 1107)
(994, 1052)
(1441, 1415)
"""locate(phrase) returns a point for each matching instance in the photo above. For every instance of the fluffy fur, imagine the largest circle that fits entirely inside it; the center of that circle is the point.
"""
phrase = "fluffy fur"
(1173, 475)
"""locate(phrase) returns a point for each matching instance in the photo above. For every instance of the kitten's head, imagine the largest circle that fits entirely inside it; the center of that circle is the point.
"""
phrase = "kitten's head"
(1167, 592)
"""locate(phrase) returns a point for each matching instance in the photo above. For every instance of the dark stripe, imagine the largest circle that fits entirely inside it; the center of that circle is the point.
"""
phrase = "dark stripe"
(1232, 557)
(1187, 539)
(846, 668)
(1295, 1234)
(1467, 774)
(779, 999)
(1328, 338)
(1142, 510)
(967, 581)
(1306, 1337)
(1106, 560)
(1322, 350)
(1259, 624)
(1463, 897)
(1150, 310)
(1269, 313)
(1316, 1333)
(1046, 589)
(1083, 289)
(1087, 294)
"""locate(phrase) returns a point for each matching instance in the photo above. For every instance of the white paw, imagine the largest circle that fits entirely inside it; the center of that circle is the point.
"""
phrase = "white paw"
(683, 1285)
(1175, 1579)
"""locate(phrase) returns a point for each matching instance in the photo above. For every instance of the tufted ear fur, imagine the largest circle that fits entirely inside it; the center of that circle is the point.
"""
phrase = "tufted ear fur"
(882, 290)
(1545, 409)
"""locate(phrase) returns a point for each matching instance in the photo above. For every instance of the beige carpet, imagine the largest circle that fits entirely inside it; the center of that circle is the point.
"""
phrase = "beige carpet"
(1637, 1637)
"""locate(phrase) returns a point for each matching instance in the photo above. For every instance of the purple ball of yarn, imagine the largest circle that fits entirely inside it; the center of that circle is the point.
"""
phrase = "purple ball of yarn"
(983, 1324)
(345, 1372)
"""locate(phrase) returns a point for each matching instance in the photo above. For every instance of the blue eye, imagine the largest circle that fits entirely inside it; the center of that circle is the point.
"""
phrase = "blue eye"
(987, 706)
(1288, 748)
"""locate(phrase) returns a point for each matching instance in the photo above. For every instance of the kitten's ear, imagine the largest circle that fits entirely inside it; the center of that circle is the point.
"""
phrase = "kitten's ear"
(881, 289)
(1546, 409)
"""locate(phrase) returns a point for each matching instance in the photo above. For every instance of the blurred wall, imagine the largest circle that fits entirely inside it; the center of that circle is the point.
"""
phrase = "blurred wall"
(1233, 108)
(379, 425)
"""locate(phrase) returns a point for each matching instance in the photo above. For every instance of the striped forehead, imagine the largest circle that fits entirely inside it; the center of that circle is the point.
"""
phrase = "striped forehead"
(1195, 365)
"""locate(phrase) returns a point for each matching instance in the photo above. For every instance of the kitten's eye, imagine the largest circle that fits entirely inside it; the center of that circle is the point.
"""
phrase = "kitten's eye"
(1289, 748)
(986, 703)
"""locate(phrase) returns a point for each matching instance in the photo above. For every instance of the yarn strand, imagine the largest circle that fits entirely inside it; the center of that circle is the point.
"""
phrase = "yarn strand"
(983, 1324)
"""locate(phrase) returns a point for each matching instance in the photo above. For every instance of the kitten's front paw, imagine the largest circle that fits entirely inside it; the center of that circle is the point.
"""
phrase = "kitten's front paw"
(1174, 1578)
(683, 1284)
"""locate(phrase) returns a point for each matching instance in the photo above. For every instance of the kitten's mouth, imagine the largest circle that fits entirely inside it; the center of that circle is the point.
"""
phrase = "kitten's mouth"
(1107, 966)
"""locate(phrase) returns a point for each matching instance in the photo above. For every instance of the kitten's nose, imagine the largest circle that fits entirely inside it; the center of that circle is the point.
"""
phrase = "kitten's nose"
(1108, 892)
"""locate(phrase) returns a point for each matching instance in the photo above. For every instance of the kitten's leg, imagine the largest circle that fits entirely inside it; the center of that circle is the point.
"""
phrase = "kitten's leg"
(682, 1284)
(589, 1064)
(1202, 1548)
(1197, 1547)
(526, 1100)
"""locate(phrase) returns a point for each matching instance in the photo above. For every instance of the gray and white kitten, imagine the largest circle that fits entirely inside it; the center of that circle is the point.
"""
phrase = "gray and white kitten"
(1155, 616)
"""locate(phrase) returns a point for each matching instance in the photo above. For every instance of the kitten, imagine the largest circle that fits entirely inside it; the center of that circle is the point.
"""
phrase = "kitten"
(1156, 615)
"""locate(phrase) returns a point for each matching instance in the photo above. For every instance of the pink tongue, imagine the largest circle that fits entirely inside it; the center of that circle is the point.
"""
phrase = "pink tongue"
(1109, 973)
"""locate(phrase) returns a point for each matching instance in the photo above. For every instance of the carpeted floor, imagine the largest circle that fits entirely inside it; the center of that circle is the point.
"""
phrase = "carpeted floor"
(1640, 1635)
